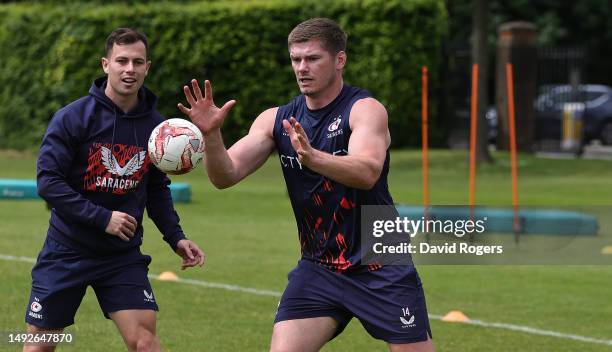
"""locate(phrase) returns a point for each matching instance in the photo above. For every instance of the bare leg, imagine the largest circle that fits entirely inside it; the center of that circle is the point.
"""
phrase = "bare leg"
(37, 348)
(302, 335)
(424, 346)
(137, 327)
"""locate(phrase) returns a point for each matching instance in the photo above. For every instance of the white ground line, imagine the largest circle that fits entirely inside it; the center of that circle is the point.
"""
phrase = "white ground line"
(530, 330)
(228, 287)
(13, 258)
(254, 291)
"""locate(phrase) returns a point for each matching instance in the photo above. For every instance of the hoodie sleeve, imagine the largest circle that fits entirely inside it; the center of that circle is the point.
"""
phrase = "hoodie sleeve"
(161, 208)
(55, 159)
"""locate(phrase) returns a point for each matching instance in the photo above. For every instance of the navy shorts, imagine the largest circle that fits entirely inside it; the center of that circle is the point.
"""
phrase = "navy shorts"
(389, 302)
(61, 276)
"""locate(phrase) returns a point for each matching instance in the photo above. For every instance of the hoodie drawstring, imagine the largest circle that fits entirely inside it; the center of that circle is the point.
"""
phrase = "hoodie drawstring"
(114, 126)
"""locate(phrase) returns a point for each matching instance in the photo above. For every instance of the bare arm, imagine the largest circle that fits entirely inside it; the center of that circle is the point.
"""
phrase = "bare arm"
(225, 167)
(368, 144)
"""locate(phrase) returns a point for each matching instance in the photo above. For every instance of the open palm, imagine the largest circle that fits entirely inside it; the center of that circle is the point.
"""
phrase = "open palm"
(202, 111)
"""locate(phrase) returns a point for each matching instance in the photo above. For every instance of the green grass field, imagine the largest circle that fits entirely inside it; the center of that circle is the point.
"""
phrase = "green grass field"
(249, 235)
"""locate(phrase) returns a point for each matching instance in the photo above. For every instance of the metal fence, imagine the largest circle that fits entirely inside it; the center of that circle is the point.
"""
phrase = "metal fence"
(560, 80)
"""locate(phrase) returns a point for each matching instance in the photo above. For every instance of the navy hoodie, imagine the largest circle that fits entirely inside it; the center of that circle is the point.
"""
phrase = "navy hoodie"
(93, 160)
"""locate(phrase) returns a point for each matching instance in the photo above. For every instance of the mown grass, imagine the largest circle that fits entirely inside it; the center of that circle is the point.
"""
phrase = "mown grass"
(249, 235)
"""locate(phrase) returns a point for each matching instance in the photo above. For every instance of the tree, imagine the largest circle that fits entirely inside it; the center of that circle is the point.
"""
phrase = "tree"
(480, 56)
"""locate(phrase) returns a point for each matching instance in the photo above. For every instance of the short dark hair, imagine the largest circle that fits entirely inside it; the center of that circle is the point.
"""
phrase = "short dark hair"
(122, 36)
(326, 30)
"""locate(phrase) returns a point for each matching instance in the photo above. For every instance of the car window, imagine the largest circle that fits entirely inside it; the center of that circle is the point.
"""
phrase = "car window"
(594, 95)
(553, 97)
(562, 97)
(572, 96)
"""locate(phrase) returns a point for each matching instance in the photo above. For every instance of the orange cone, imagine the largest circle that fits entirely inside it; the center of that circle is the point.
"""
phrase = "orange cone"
(167, 276)
(455, 316)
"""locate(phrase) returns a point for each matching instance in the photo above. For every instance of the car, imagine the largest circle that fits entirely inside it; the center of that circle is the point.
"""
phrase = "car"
(463, 115)
(491, 117)
(596, 109)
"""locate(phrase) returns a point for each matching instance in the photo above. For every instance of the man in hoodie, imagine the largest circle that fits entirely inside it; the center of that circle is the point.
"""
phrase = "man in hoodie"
(94, 171)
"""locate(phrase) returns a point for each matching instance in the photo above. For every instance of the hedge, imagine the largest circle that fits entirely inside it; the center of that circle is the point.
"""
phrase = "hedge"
(50, 55)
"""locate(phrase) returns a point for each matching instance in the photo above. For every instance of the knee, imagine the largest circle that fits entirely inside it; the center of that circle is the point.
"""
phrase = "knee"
(39, 348)
(144, 342)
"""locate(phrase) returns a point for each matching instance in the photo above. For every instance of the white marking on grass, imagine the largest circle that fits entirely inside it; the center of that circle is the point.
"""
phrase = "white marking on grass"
(228, 287)
(13, 258)
(236, 288)
(529, 330)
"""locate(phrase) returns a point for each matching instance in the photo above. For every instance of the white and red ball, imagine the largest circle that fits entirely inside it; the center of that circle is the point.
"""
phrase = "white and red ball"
(176, 146)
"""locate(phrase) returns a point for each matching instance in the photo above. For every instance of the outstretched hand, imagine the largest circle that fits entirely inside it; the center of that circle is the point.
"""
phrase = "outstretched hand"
(299, 140)
(202, 111)
(190, 252)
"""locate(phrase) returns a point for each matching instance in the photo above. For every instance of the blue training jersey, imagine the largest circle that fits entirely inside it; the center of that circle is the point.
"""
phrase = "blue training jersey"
(327, 212)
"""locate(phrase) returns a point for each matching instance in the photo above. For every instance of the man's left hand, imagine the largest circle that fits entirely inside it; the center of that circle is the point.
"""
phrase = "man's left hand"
(299, 140)
(190, 252)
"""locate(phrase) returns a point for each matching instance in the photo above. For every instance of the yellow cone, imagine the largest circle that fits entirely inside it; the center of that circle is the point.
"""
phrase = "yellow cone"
(455, 316)
(167, 276)
(606, 250)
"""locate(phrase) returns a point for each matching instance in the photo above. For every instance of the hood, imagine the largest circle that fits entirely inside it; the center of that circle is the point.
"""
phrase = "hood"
(147, 101)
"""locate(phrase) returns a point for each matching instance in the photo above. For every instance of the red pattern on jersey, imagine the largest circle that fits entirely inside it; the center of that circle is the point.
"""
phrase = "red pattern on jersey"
(315, 240)
(327, 185)
(96, 170)
(318, 223)
(347, 204)
(339, 263)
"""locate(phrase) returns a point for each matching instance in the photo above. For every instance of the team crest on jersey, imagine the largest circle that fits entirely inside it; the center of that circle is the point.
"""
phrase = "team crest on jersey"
(116, 168)
(35, 309)
(335, 124)
(333, 127)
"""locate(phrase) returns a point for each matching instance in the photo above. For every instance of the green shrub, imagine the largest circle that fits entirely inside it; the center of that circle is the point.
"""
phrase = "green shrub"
(50, 55)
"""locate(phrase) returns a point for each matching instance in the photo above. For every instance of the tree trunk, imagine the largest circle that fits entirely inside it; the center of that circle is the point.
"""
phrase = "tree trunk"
(480, 56)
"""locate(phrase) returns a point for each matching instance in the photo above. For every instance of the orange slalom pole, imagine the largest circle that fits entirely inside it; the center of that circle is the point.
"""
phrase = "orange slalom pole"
(473, 140)
(512, 127)
(425, 141)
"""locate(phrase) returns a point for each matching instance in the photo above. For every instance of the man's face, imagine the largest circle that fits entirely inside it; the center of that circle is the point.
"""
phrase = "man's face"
(314, 67)
(126, 68)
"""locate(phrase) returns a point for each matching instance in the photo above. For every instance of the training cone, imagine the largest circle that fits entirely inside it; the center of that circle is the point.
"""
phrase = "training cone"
(606, 250)
(167, 276)
(455, 316)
